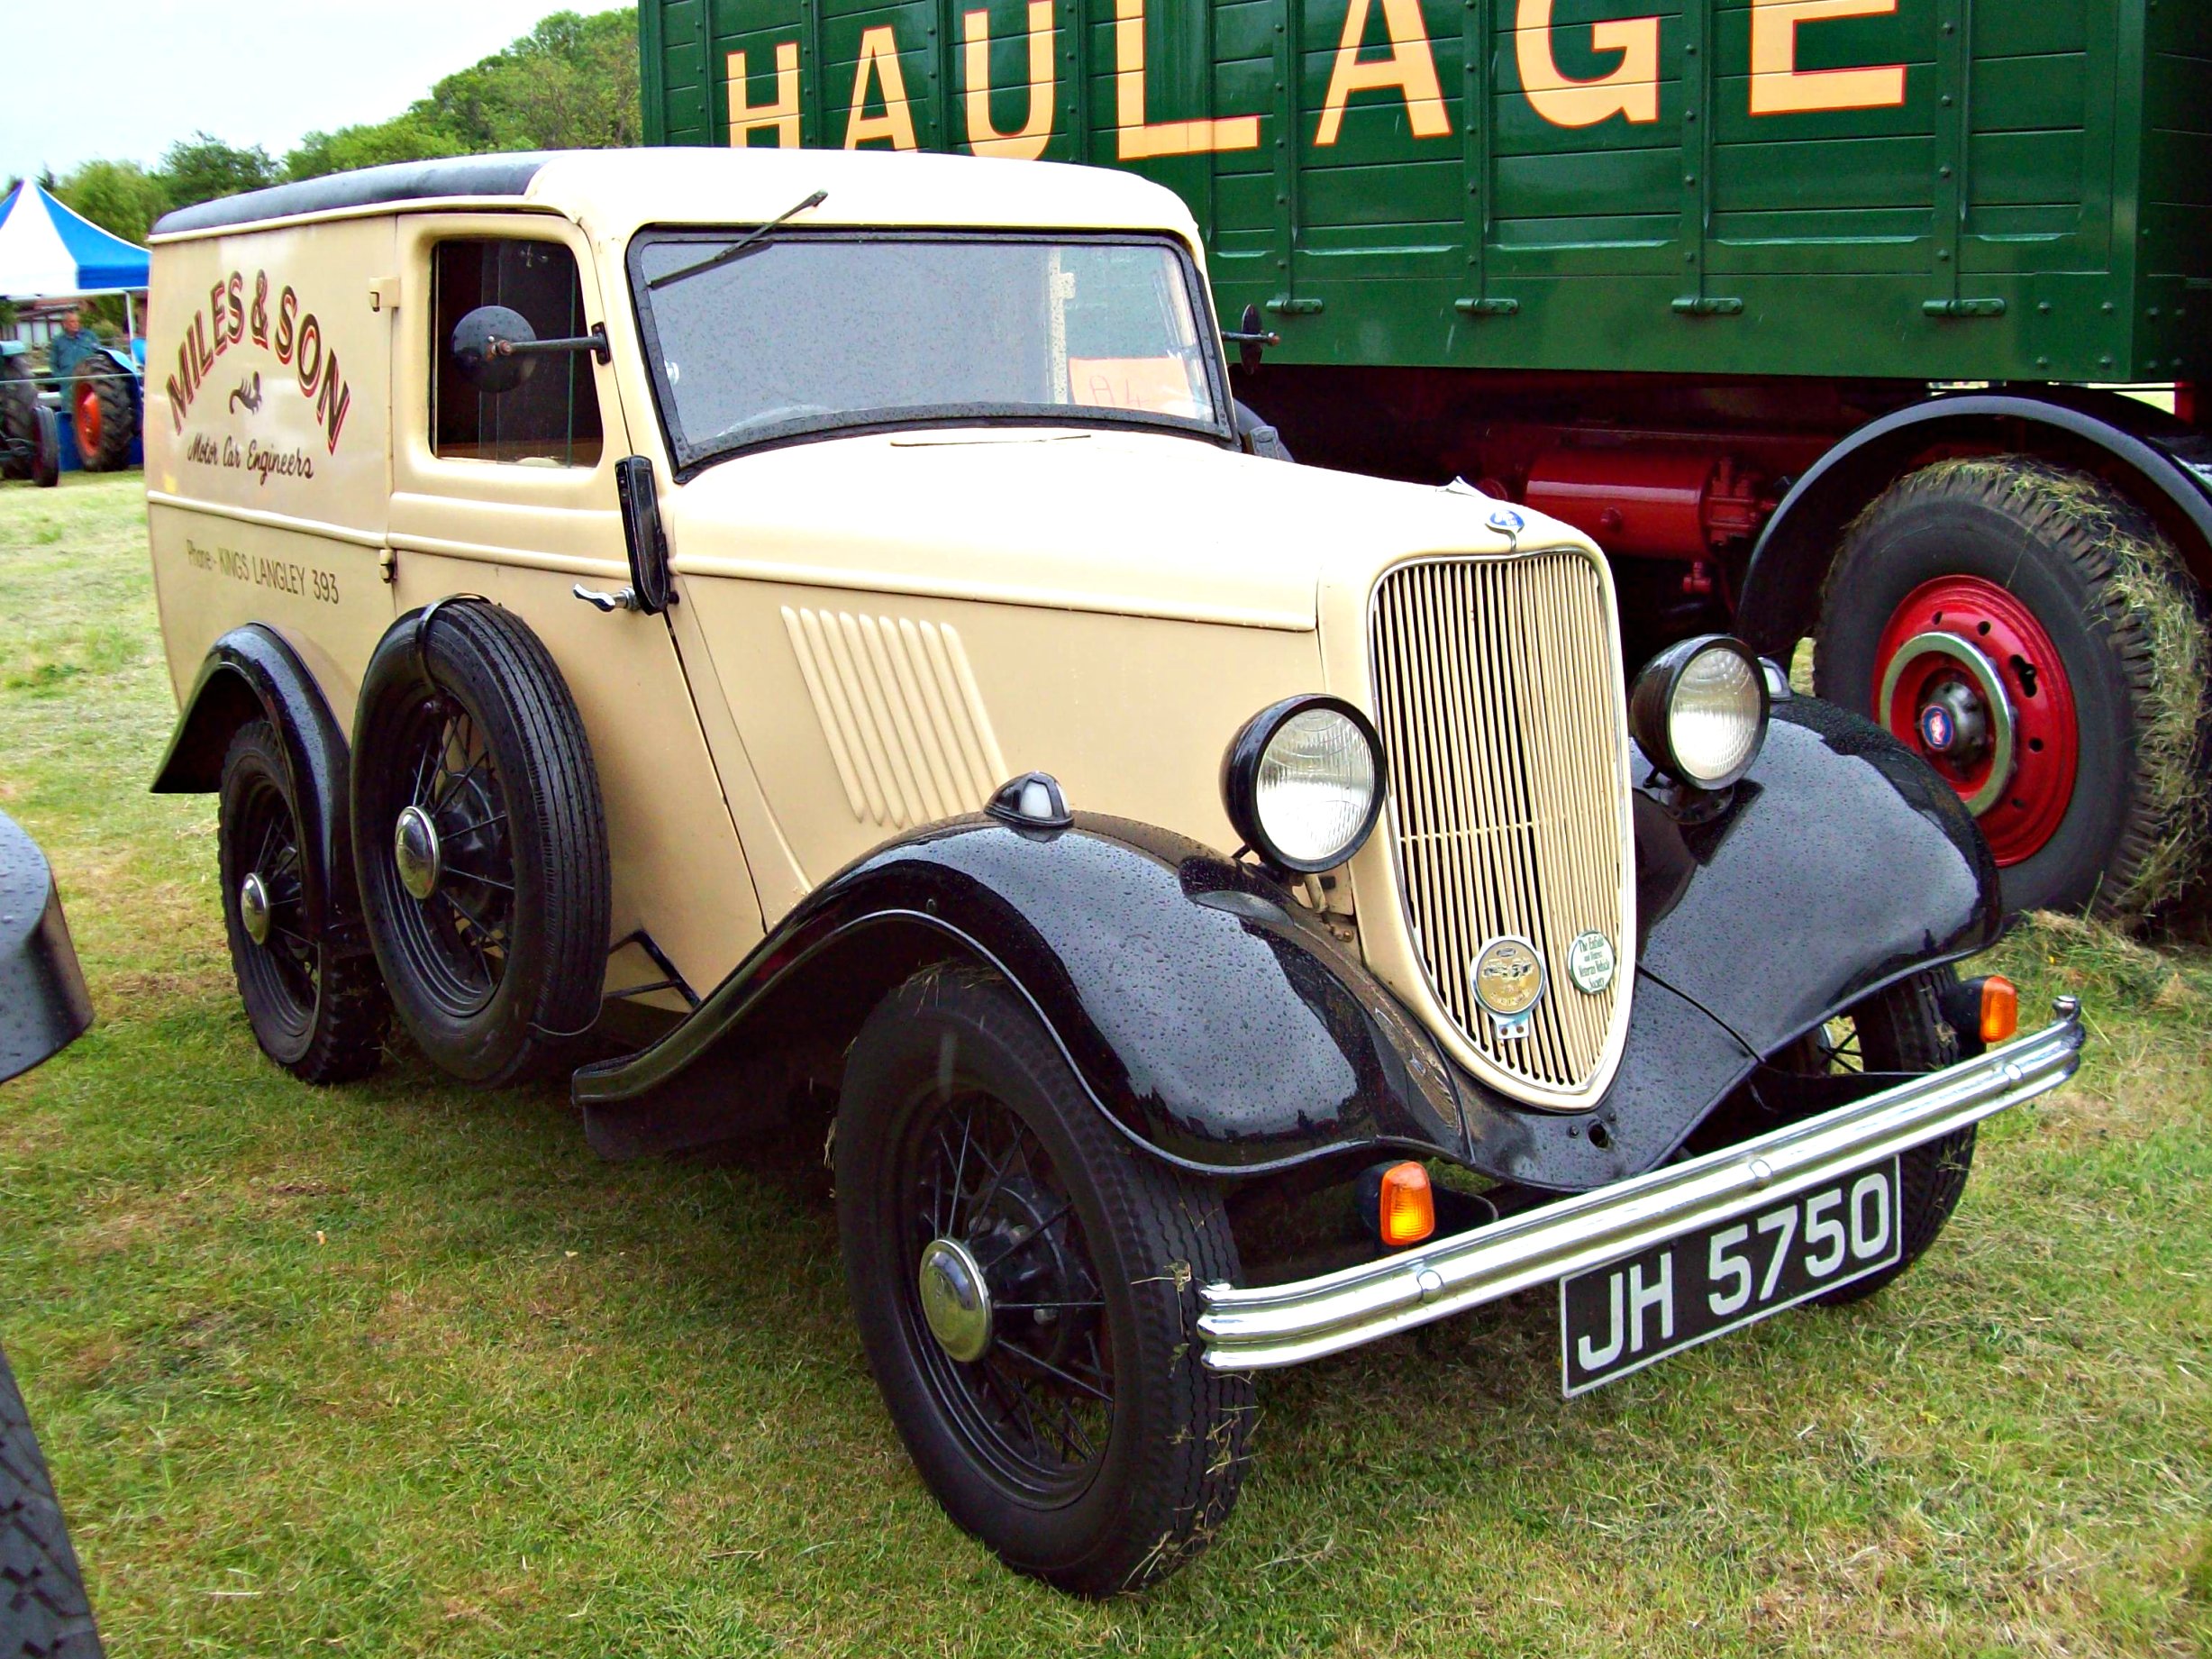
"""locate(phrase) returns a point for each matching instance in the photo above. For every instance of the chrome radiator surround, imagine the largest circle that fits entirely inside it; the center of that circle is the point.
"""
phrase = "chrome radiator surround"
(1496, 683)
(1258, 1328)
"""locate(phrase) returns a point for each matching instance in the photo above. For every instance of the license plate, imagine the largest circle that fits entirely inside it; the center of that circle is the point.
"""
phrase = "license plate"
(1620, 1317)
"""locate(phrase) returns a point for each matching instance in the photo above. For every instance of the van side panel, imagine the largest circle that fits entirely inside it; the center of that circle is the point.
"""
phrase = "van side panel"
(268, 443)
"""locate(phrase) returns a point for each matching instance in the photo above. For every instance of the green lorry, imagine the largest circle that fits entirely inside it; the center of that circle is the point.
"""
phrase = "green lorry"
(1812, 312)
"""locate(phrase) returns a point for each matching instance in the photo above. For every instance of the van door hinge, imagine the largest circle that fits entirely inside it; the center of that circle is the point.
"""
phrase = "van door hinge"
(1487, 307)
(1964, 307)
(1708, 305)
(388, 566)
(383, 295)
(1284, 306)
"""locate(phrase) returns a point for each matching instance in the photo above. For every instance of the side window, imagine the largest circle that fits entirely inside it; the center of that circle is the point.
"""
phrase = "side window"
(552, 418)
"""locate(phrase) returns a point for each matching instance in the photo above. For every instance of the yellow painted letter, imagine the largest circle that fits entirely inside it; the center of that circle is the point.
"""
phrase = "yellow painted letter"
(1036, 132)
(1779, 87)
(1139, 141)
(746, 117)
(879, 60)
(1410, 68)
(1631, 90)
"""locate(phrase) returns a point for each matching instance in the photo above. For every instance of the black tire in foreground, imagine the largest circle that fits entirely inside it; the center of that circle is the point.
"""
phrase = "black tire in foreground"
(316, 1010)
(2042, 644)
(43, 1611)
(1026, 1283)
(1901, 1029)
(19, 420)
(104, 414)
(481, 844)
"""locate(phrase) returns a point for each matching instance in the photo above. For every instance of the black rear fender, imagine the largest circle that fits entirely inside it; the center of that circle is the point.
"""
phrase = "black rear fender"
(251, 673)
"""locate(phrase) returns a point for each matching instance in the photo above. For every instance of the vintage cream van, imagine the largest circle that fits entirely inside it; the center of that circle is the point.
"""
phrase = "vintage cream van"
(758, 626)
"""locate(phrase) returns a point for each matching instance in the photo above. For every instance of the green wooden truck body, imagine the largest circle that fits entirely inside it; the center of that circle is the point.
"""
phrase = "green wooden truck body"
(1737, 286)
(2011, 190)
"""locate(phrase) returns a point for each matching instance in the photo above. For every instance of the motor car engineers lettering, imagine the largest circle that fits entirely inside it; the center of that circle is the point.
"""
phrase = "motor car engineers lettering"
(230, 319)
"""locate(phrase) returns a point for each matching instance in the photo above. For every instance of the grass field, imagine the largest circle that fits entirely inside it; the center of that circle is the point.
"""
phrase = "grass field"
(399, 1368)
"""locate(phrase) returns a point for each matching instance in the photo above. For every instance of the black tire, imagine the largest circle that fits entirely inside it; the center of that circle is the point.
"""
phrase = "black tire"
(317, 1010)
(2126, 622)
(1105, 1497)
(496, 970)
(46, 463)
(104, 414)
(19, 422)
(1901, 1029)
(43, 1611)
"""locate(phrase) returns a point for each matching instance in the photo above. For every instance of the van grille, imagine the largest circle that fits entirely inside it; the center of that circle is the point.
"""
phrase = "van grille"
(1498, 695)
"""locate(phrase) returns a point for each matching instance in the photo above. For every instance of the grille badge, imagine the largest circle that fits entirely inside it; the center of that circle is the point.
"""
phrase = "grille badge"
(1509, 980)
(1589, 962)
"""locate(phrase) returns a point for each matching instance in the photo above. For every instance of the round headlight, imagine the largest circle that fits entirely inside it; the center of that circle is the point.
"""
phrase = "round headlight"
(1699, 710)
(1303, 782)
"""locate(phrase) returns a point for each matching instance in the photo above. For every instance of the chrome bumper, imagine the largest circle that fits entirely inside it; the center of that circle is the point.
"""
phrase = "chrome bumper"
(1285, 1325)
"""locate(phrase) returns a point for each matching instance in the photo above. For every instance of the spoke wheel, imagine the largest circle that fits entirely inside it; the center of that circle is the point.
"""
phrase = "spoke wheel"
(482, 843)
(317, 1010)
(1025, 1284)
(1899, 1030)
(456, 862)
(1037, 1403)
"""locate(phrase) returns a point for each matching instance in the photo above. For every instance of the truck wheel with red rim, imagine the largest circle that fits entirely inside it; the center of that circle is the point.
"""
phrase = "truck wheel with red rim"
(2030, 633)
(100, 410)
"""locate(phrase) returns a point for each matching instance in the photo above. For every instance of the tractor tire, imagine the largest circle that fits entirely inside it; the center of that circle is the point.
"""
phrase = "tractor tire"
(104, 413)
(46, 455)
(2034, 637)
(19, 420)
(43, 1611)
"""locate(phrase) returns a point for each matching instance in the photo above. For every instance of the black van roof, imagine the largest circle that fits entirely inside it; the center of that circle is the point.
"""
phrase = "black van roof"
(370, 187)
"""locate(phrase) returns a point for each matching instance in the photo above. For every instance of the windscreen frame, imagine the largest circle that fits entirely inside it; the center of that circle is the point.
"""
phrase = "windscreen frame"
(686, 463)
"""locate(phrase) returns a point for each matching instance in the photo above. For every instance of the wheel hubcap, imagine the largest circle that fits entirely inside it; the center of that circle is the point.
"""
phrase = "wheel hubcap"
(416, 852)
(956, 1300)
(1971, 679)
(253, 908)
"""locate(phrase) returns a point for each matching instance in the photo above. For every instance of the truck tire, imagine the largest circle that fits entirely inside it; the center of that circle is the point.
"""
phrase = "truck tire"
(103, 414)
(2032, 633)
(43, 1612)
(19, 420)
(46, 452)
(1062, 1416)
(318, 1012)
(1902, 1029)
(481, 844)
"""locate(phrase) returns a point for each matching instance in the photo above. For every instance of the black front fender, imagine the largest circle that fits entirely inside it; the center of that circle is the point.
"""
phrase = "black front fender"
(1215, 1022)
(251, 673)
(1841, 864)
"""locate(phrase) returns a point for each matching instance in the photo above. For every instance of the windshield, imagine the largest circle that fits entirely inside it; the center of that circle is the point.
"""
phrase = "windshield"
(808, 332)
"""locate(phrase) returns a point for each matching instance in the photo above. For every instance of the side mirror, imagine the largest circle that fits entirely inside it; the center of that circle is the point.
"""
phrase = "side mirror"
(478, 340)
(1250, 339)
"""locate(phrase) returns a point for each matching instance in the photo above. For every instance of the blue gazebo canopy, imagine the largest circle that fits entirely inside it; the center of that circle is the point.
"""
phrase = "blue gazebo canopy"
(47, 251)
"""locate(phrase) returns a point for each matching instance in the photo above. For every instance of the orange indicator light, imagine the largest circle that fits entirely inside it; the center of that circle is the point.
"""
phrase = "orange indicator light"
(2000, 1009)
(1407, 1210)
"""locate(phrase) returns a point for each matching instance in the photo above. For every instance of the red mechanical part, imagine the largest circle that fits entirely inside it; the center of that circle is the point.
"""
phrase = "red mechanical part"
(1942, 689)
(86, 411)
(1644, 502)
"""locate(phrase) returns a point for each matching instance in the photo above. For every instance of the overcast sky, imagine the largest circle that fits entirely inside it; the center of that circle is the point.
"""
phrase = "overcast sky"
(126, 78)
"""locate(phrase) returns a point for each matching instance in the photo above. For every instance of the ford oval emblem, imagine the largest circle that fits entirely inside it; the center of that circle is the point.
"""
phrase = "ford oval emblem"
(1507, 520)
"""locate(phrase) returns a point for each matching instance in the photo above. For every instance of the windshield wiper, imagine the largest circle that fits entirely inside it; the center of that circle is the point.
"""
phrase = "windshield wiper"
(737, 249)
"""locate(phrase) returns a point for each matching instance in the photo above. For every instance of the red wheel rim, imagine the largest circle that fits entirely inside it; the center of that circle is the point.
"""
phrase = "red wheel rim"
(87, 413)
(1948, 646)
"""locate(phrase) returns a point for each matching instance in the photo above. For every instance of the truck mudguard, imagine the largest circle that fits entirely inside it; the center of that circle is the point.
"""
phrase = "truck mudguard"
(1218, 1024)
(43, 1004)
(2171, 462)
(251, 672)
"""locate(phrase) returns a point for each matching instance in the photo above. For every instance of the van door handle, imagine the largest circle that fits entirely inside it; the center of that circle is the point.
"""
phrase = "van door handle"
(621, 599)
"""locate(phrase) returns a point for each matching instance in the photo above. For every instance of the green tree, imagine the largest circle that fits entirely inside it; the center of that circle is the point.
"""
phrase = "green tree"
(119, 196)
(404, 137)
(202, 168)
